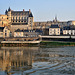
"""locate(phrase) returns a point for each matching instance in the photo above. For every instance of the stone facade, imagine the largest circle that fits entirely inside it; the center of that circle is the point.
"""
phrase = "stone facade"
(54, 30)
(20, 19)
(27, 33)
(68, 32)
(4, 32)
(3, 20)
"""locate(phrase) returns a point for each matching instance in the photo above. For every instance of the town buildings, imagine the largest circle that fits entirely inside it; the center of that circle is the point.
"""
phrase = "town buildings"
(21, 24)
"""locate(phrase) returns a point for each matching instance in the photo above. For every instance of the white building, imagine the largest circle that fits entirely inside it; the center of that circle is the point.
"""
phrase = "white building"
(54, 30)
(68, 31)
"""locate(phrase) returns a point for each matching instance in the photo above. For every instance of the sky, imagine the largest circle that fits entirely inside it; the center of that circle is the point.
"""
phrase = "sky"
(43, 10)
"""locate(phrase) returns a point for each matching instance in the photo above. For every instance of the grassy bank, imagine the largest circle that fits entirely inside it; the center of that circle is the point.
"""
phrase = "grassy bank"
(54, 44)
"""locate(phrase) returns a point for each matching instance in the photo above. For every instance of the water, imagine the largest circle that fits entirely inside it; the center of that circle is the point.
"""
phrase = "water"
(37, 61)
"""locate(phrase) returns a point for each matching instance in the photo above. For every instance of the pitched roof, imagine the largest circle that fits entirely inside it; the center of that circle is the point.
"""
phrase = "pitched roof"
(54, 26)
(66, 28)
(30, 15)
(20, 12)
(18, 30)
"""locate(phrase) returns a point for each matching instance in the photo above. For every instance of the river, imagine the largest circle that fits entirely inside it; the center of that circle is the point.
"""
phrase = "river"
(37, 61)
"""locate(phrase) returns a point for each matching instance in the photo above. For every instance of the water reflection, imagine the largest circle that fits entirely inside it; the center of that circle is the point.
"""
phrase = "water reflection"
(37, 61)
(16, 59)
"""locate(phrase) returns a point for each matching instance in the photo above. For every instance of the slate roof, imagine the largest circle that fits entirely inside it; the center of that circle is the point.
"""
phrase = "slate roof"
(19, 23)
(66, 28)
(54, 26)
(39, 31)
(1, 29)
(19, 12)
(30, 15)
(18, 30)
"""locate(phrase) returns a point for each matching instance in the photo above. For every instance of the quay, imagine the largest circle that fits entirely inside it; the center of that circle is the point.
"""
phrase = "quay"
(20, 42)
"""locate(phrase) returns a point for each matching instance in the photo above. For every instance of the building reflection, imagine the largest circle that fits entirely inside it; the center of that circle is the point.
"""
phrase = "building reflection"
(12, 58)
(22, 58)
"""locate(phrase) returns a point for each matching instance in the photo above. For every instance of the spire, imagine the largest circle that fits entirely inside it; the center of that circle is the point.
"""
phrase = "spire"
(9, 9)
(6, 12)
(56, 18)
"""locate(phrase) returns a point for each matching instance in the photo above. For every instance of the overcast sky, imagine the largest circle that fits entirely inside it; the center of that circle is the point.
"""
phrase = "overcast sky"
(43, 10)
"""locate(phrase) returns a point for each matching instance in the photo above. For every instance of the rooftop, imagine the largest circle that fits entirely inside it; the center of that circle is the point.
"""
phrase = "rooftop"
(54, 26)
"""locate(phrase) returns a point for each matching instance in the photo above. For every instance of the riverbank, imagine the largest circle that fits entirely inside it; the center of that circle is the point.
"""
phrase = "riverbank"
(41, 44)
(56, 44)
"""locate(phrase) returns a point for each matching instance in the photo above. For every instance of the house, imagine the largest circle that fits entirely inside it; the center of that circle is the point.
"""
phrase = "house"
(4, 32)
(68, 30)
(54, 30)
(27, 33)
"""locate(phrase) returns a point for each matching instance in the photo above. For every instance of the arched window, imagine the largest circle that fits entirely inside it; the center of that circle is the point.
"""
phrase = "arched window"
(19, 19)
(13, 19)
(16, 19)
(22, 19)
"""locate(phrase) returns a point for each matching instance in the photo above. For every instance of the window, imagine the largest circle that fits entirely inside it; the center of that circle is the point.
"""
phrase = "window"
(16, 19)
(5, 34)
(22, 19)
(13, 18)
(5, 30)
(20, 33)
(2, 23)
(2, 17)
(16, 34)
(19, 19)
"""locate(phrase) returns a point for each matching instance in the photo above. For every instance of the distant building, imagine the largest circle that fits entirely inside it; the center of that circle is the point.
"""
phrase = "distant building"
(54, 30)
(27, 33)
(68, 30)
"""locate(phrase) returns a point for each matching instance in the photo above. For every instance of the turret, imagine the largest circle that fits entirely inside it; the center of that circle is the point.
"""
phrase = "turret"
(6, 12)
(30, 20)
(9, 14)
(9, 9)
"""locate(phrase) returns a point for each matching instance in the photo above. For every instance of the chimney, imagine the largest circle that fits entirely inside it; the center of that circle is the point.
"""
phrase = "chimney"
(23, 10)
(29, 11)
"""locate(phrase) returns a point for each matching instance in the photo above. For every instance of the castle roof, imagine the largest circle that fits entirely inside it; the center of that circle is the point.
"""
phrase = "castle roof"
(30, 15)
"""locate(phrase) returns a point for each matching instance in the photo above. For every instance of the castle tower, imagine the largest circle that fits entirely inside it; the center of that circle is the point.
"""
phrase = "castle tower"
(30, 20)
(9, 15)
